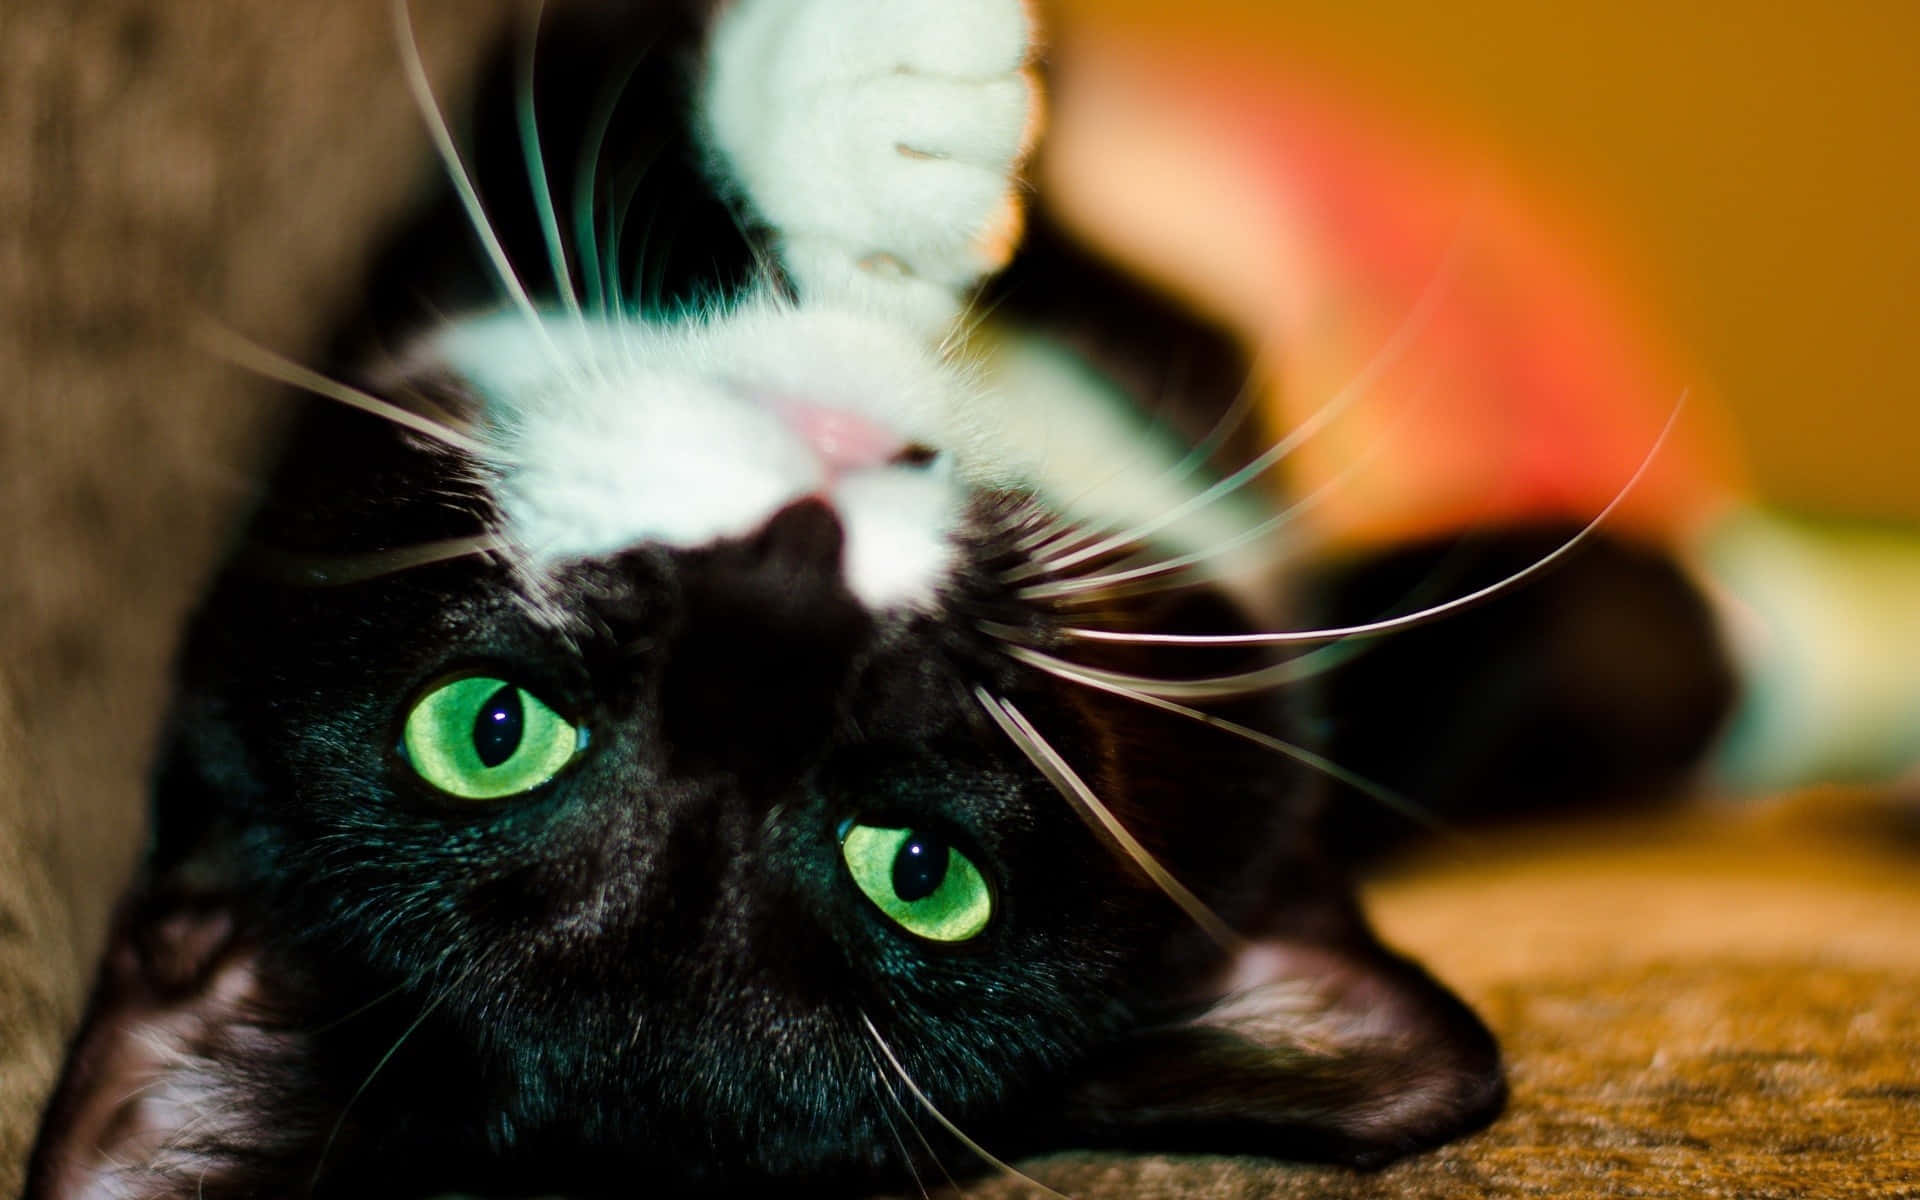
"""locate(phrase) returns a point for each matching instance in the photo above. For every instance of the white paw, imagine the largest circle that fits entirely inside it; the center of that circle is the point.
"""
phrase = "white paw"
(879, 137)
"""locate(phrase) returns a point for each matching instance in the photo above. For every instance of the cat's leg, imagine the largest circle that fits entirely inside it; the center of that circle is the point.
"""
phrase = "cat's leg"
(880, 139)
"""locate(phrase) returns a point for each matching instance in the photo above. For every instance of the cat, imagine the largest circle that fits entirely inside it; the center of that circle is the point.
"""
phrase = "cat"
(627, 753)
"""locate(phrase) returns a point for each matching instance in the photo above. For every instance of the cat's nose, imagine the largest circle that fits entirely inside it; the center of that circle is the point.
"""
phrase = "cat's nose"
(785, 579)
(770, 634)
(800, 546)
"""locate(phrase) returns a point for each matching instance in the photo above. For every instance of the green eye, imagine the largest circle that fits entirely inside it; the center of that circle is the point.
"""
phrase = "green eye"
(923, 884)
(480, 738)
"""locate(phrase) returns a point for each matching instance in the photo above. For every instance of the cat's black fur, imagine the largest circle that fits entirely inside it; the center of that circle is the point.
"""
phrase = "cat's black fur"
(652, 975)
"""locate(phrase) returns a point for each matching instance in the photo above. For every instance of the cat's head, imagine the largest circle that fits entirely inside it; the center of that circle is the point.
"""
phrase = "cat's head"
(643, 717)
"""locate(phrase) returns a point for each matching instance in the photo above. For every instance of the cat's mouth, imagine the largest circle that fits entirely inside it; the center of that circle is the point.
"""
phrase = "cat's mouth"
(602, 438)
(841, 440)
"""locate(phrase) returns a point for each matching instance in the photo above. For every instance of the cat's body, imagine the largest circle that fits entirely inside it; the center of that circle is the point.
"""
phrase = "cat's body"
(725, 533)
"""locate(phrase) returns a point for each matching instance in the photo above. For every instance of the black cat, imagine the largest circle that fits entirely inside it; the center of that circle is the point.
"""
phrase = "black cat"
(639, 761)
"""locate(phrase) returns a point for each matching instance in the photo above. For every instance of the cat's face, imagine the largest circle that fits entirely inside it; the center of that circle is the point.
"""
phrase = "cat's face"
(675, 832)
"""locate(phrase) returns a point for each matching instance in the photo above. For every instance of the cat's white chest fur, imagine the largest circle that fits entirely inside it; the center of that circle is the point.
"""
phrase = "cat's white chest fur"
(879, 139)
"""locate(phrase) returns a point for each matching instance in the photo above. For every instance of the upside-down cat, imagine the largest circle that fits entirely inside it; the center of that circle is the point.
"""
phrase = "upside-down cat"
(644, 745)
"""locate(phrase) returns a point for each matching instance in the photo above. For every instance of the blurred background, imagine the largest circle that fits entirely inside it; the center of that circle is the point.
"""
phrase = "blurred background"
(1755, 165)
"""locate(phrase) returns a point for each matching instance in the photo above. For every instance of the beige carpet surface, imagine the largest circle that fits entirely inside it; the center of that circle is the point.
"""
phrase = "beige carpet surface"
(1718, 1004)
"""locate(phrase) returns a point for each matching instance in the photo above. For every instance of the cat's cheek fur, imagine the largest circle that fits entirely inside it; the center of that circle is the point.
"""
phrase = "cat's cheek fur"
(183, 1083)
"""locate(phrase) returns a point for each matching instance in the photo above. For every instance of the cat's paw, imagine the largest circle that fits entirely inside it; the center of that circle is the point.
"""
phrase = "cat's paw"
(880, 138)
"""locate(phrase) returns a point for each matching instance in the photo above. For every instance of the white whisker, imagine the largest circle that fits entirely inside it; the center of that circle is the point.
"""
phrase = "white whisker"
(617, 216)
(906, 1156)
(1229, 422)
(1065, 532)
(959, 1135)
(1041, 753)
(1157, 569)
(1408, 620)
(1025, 520)
(878, 1084)
(537, 167)
(341, 570)
(1212, 687)
(340, 1122)
(1061, 669)
(416, 74)
(586, 183)
(1053, 539)
(1390, 353)
(251, 356)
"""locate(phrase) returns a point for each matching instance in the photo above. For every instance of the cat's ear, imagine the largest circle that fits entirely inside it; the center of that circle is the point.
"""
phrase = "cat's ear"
(164, 1092)
(1348, 1054)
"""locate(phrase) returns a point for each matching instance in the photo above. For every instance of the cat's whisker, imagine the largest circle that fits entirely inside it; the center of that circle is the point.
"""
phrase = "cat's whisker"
(1072, 673)
(1050, 545)
(1389, 355)
(340, 1122)
(421, 401)
(1041, 753)
(1069, 536)
(587, 181)
(968, 322)
(1055, 538)
(1410, 620)
(537, 167)
(1151, 573)
(906, 1155)
(650, 270)
(251, 356)
(1045, 528)
(1224, 426)
(359, 1010)
(1104, 583)
(1215, 687)
(462, 182)
(879, 1085)
(643, 292)
(617, 217)
(342, 570)
(958, 1134)
(1020, 519)
(1231, 419)
(1060, 537)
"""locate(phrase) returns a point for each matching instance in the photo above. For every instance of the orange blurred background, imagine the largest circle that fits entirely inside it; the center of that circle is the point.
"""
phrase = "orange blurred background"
(1758, 161)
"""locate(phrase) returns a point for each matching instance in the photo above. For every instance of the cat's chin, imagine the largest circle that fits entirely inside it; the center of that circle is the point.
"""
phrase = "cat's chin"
(601, 435)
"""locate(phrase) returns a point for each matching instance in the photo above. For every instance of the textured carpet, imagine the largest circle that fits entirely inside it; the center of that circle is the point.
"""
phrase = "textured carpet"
(1719, 1004)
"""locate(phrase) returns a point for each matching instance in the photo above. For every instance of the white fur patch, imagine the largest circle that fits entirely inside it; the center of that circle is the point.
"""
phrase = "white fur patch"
(606, 435)
(880, 137)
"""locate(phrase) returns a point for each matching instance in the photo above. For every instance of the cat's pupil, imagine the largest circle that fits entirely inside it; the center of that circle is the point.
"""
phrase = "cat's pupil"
(497, 727)
(920, 866)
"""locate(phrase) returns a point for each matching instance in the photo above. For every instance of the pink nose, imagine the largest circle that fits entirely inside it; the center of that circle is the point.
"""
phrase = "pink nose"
(844, 441)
